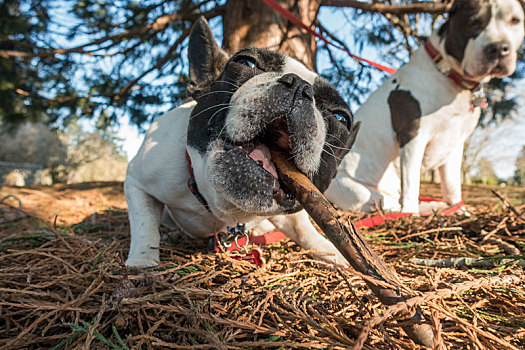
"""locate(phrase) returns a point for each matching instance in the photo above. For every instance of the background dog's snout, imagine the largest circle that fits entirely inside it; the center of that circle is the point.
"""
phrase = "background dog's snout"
(296, 84)
(497, 50)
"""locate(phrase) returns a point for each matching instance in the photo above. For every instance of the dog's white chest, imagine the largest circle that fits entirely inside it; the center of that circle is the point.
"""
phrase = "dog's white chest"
(446, 128)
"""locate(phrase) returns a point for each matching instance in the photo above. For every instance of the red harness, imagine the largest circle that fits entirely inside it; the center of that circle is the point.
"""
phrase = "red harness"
(192, 184)
(254, 255)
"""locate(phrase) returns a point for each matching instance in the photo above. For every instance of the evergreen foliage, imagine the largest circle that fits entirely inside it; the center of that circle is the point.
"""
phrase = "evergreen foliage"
(65, 60)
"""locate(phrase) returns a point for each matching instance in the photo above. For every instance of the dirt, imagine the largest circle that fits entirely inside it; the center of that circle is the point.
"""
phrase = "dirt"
(63, 283)
(70, 204)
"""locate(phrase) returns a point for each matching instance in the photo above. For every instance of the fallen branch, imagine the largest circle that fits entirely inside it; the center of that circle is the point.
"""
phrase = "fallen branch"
(494, 282)
(507, 247)
(353, 247)
(466, 262)
(13, 197)
(507, 203)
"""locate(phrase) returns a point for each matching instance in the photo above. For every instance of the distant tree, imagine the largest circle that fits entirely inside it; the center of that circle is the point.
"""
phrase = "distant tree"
(61, 153)
(519, 173)
(485, 172)
(472, 151)
(84, 149)
(22, 77)
(64, 60)
(32, 143)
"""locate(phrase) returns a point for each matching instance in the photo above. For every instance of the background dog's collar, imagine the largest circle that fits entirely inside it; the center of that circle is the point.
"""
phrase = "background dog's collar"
(192, 184)
(443, 66)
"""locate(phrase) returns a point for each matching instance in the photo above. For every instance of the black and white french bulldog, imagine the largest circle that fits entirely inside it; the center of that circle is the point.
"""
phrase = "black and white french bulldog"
(242, 106)
(419, 119)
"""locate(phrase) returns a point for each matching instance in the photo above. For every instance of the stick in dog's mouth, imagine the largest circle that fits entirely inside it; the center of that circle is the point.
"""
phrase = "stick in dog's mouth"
(352, 246)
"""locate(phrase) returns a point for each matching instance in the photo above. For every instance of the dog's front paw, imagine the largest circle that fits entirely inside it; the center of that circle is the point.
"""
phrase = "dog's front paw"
(410, 208)
(463, 211)
(432, 207)
(142, 261)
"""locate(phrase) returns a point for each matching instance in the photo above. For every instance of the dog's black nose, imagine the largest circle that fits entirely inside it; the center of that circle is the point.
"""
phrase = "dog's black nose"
(296, 84)
(496, 50)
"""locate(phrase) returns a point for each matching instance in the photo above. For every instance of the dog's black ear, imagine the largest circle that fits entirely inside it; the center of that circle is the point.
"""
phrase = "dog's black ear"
(339, 154)
(206, 58)
(443, 30)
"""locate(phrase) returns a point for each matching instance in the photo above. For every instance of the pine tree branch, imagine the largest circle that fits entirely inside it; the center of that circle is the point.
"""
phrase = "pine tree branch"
(398, 10)
(159, 64)
(336, 39)
(158, 25)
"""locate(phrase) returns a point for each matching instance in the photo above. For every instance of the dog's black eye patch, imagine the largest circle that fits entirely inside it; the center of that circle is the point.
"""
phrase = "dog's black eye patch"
(331, 104)
(467, 19)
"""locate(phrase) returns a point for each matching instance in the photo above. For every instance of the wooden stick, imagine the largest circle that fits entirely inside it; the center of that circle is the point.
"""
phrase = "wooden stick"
(353, 247)
(507, 203)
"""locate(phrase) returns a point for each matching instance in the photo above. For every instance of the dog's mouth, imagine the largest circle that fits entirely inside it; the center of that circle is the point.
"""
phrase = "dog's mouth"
(275, 136)
(499, 68)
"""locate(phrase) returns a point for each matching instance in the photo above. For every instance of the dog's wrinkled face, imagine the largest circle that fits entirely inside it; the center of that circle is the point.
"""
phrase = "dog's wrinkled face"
(258, 101)
(484, 37)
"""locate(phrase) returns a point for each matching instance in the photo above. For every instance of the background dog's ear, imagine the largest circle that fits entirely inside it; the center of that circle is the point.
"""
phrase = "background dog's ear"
(353, 135)
(206, 58)
(443, 30)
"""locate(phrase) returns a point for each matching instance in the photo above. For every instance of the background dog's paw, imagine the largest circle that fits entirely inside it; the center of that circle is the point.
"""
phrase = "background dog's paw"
(431, 207)
(414, 209)
(262, 228)
(463, 211)
(141, 262)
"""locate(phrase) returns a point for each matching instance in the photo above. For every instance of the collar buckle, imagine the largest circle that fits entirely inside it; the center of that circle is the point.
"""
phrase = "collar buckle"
(233, 236)
(443, 66)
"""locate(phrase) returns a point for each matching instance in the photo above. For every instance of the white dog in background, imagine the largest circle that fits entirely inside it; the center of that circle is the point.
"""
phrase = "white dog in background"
(419, 119)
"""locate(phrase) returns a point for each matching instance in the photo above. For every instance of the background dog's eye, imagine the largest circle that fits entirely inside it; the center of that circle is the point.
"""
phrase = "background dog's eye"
(247, 61)
(341, 117)
(515, 20)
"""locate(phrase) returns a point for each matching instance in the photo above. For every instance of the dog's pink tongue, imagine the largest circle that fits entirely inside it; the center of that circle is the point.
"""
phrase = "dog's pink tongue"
(261, 153)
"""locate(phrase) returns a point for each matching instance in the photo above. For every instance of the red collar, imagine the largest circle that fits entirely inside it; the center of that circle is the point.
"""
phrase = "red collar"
(444, 68)
(192, 184)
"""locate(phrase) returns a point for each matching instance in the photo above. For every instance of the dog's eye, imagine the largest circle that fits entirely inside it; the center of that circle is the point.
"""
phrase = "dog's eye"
(341, 117)
(515, 20)
(247, 61)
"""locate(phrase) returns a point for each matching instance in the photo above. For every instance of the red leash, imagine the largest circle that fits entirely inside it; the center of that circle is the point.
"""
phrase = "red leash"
(254, 255)
(292, 18)
(378, 220)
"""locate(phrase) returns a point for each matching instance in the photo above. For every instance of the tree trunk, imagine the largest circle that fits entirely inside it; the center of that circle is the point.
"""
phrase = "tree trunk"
(254, 23)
